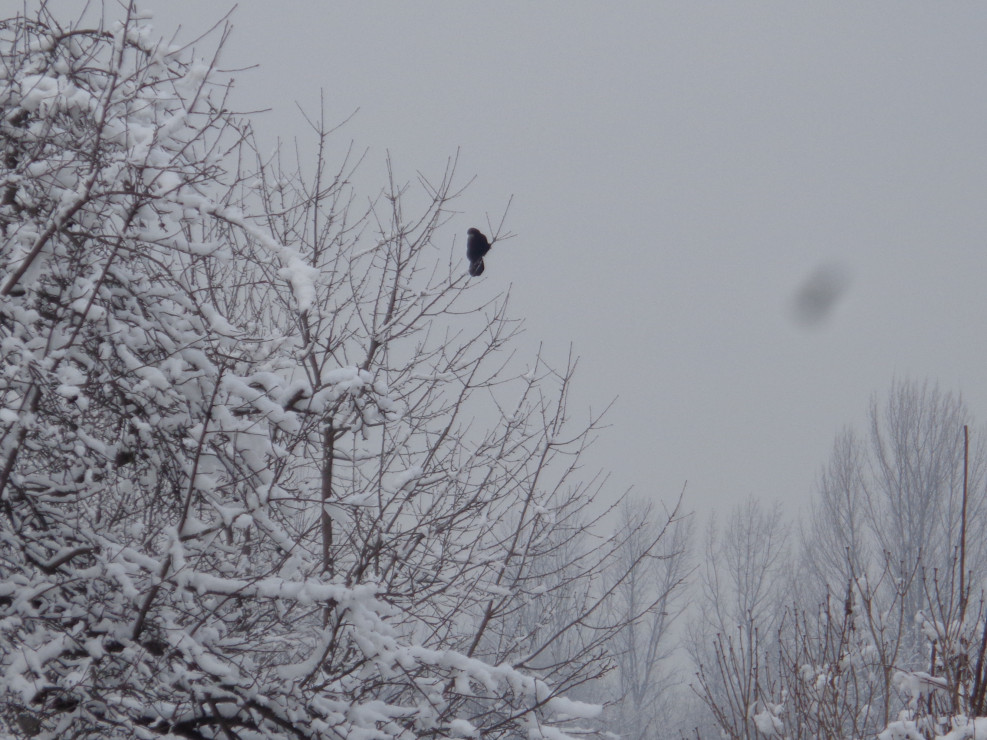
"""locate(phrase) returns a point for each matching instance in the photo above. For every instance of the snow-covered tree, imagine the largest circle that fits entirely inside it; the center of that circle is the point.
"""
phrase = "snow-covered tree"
(266, 468)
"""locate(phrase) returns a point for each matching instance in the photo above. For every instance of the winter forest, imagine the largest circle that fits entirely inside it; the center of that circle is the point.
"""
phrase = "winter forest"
(268, 469)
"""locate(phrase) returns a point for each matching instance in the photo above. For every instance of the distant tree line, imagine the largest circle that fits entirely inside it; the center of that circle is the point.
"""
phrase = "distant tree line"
(880, 627)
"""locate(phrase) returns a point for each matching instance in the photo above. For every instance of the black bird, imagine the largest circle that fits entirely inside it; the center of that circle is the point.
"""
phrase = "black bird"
(476, 246)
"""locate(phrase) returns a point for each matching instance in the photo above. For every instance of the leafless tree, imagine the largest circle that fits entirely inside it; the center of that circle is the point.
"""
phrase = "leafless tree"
(745, 585)
(915, 486)
(649, 601)
(837, 533)
(893, 501)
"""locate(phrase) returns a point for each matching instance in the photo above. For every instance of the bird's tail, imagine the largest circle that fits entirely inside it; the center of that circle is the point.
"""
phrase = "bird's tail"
(476, 267)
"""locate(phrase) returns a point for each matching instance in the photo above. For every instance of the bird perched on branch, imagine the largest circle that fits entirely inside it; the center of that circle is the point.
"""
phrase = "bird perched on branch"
(476, 246)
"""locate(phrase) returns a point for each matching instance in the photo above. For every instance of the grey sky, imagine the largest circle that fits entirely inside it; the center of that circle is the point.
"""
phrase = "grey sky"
(679, 169)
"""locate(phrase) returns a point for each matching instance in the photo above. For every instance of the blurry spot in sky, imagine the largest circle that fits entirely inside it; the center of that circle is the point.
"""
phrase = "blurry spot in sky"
(819, 293)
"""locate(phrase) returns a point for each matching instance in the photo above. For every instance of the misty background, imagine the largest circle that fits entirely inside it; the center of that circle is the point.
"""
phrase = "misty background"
(745, 218)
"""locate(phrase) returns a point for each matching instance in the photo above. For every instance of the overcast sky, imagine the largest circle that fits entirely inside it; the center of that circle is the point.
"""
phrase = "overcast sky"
(680, 171)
